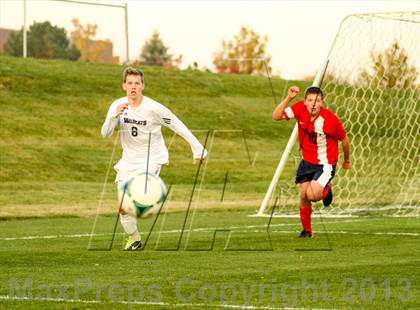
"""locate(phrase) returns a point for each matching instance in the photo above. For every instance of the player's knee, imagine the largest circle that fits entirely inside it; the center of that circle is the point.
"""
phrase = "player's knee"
(310, 196)
(304, 200)
(313, 196)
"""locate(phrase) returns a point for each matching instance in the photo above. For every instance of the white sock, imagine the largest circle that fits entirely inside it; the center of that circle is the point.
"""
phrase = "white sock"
(129, 223)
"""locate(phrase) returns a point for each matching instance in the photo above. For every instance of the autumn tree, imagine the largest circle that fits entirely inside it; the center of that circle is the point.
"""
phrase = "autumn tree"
(43, 41)
(155, 53)
(390, 68)
(91, 50)
(245, 53)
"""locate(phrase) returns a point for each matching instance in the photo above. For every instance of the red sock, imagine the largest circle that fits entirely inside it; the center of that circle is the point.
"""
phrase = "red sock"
(305, 218)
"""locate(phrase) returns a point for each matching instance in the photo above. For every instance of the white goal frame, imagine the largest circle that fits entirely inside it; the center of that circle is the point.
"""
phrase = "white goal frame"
(403, 209)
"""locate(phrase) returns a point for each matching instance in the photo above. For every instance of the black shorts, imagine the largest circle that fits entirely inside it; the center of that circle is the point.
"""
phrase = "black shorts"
(307, 172)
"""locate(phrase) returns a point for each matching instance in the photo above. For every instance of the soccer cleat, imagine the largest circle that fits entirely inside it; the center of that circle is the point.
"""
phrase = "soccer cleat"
(132, 245)
(327, 195)
(305, 234)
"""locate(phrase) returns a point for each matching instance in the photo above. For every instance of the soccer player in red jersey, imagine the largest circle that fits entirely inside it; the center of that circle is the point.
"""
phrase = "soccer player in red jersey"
(319, 133)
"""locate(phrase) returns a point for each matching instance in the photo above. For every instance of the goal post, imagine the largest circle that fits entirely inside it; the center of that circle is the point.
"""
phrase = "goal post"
(373, 84)
(96, 12)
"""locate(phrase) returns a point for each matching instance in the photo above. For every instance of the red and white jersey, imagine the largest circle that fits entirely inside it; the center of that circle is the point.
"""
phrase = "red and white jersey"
(318, 138)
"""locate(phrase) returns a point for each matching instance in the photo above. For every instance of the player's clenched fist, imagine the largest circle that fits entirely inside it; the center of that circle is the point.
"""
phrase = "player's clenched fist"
(121, 108)
(293, 91)
(347, 165)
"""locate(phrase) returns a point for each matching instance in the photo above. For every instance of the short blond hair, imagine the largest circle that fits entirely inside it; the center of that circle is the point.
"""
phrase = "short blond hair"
(132, 71)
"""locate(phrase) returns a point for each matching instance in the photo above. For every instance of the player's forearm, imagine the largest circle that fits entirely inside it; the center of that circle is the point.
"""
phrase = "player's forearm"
(109, 126)
(279, 110)
(346, 149)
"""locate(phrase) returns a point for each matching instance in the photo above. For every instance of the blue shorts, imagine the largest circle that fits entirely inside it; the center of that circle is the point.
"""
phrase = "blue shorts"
(307, 172)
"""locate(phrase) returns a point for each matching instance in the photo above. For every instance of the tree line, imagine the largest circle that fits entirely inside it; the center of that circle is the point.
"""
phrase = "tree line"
(245, 53)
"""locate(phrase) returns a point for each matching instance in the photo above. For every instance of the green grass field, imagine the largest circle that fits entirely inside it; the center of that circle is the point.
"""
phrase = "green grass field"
(350, 264)
(53, 168)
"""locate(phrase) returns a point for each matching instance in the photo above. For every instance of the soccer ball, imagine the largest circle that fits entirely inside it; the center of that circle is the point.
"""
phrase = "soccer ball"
(144, 195)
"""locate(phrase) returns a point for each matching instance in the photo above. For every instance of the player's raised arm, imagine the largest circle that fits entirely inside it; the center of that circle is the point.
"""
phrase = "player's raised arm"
(278, 113)
(112, 119)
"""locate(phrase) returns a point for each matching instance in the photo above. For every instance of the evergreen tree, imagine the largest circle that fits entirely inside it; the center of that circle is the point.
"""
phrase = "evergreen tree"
(155, 53)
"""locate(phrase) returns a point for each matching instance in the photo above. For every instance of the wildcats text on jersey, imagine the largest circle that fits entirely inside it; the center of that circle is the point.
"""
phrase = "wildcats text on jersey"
(134, 121)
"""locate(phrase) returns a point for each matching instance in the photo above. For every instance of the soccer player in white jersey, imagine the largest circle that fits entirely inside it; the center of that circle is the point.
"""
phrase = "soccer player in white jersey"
(320, 130)
(140, 119)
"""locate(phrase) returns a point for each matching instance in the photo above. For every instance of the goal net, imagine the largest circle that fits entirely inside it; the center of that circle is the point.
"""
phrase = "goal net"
(372, 83)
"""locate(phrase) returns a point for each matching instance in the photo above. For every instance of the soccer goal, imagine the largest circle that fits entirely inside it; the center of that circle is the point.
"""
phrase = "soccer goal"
(372, 83)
